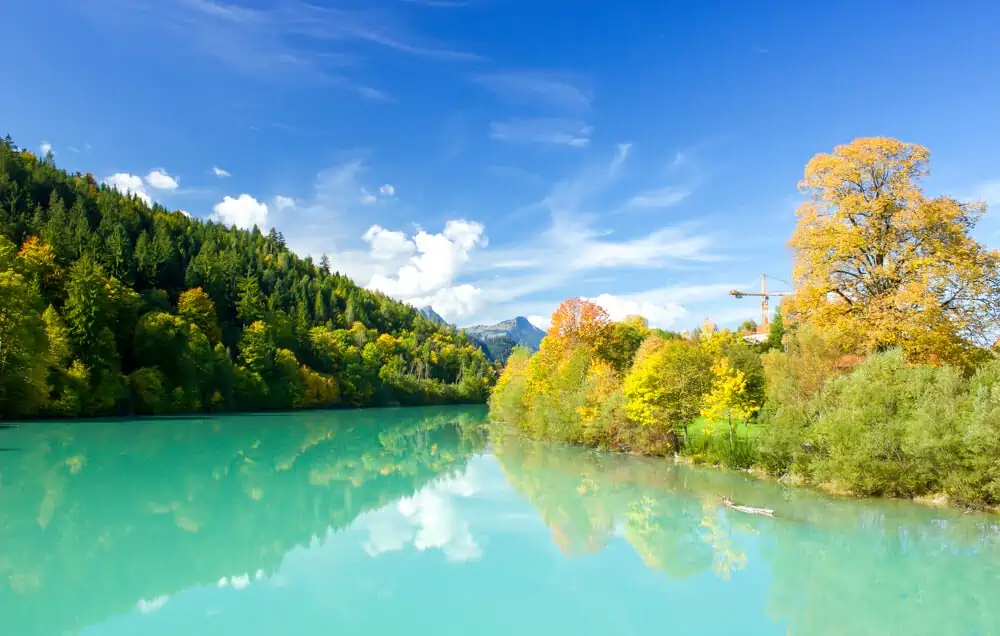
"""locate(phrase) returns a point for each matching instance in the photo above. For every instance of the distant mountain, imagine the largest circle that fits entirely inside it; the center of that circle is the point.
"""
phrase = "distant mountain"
(430, 314)
(497, 348)
(518, 330)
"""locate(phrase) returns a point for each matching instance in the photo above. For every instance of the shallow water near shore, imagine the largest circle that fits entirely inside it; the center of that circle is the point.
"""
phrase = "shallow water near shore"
(420, 521)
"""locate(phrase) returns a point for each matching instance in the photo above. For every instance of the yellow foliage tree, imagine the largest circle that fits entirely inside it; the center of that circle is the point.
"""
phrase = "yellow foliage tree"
(728, 400)
(601, 384)
(879, 265)
(196, 307)
(580, 319)
(39, 263)
(666, 388)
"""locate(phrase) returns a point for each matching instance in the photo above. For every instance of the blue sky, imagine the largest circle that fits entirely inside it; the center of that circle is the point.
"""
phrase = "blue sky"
(493, 157)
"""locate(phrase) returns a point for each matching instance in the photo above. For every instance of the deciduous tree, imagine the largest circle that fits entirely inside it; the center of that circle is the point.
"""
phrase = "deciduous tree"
(880, 265)
(666, 388)
(728, 400)
(197, 308)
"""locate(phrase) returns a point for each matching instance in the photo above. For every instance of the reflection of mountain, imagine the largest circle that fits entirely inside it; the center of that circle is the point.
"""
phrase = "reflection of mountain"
(98, 517)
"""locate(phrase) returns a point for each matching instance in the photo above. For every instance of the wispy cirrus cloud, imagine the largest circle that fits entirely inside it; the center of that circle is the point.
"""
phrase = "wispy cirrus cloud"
(516, 277)
(543, 131)
(467, 280)
(659, 198)
(290, 40)
(442, 4)
(563, 92)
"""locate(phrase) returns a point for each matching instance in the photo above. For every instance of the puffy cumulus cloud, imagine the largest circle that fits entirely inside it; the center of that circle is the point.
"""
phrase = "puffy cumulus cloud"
(431, 272)
(219, 172)
(244, 212)
(388, 190)
(429, 520)
(664, 315)
(367, 198)
(282, 203)
(160, 180)
(388, 244)
(129, 184)
(542, 322)
(46, 148)
(454, 303)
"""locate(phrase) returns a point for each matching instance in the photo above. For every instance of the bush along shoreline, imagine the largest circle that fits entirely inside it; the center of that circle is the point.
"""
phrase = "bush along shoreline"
(886, 383)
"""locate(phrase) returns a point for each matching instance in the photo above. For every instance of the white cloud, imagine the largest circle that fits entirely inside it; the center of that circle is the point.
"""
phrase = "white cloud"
(428, 520)
(367, 198)
(147, 607)
(659, 248)
(454, 303)
(661, 198)
(219, 172)
(388, 190)
(282, 203)
(160, 180)
(563, 92)
(428, 277)
(542, 322)
(243, 212)
(129, 184)
(464, 280)
(546, 131)
(660, 315)
(281, 41)
(436, 264)
(185, 213)
(387, 244)
(46, 148)
(574, 243)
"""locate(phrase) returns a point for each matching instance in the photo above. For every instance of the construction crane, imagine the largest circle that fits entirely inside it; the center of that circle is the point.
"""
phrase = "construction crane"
(765, 295)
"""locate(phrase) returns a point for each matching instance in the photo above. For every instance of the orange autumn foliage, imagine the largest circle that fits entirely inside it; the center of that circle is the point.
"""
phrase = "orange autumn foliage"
(580, 319)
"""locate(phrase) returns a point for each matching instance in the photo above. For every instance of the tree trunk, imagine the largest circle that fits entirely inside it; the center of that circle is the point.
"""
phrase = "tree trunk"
(732, 446)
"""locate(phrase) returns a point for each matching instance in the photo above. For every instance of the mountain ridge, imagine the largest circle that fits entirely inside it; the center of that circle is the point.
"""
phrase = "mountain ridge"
(518, 329)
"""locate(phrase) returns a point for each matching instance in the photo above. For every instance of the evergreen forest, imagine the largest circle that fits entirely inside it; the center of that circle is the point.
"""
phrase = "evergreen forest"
(110, 306)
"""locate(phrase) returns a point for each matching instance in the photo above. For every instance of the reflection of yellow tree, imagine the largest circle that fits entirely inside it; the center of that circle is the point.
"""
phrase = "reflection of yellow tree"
(582, 495)
(665, 534)
(726, 557)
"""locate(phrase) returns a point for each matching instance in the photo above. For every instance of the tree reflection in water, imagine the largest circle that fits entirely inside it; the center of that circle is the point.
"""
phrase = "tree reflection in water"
(97, 516)
(833, 566)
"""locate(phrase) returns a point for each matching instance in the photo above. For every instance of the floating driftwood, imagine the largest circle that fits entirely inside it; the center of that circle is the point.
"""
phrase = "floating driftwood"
(750, 510)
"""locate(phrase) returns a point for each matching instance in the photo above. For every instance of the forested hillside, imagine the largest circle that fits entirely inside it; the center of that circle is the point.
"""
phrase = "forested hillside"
(109, 306)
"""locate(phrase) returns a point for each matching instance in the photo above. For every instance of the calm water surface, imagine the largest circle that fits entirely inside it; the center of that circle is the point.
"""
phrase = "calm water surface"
(410, 521)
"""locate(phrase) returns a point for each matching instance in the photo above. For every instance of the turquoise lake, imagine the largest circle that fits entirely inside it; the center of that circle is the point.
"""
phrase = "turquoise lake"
(416, 521)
